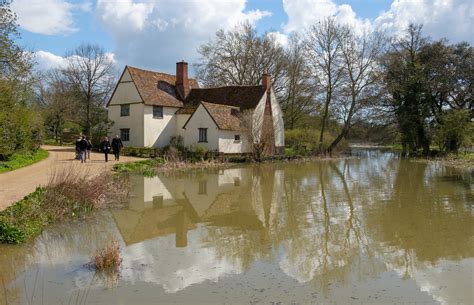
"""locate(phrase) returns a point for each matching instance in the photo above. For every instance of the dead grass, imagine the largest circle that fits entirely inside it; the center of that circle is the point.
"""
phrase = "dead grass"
(108, 258)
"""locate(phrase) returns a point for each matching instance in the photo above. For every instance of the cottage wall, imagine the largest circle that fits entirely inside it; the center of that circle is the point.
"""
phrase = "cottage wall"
(201, 119)
(134, 122)
(228, 145)
(278, 124)
(158, 131)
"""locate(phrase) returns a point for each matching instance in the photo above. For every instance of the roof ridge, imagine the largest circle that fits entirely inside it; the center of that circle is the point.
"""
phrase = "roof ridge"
(230, 86)
(155, 72)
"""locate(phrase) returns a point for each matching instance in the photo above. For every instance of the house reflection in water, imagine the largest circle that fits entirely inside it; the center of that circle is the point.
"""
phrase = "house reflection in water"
(175, 205)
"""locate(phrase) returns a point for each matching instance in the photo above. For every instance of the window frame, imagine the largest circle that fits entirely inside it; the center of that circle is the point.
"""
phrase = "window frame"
(122, 133)
(202, 135)
(157, 116)
(236, 138)
(124, 113)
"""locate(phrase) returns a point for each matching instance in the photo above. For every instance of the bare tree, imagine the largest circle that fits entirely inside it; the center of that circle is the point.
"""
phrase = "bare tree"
(93, 73)
(59, 102)
(240, 57)
(361, 76)
(297, 95)
(323, 50)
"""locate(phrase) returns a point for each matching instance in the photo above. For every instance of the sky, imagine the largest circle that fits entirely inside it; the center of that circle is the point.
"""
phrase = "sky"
(155, 34)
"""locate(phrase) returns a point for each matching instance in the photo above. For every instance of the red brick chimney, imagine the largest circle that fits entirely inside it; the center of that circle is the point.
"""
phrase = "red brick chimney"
(266, 81)
(182, 82)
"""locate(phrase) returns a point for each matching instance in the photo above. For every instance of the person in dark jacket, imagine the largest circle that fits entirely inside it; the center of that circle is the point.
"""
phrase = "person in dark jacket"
(82, 149)
(89, 148)
(78, 155)
(117, 146)
(105, 147)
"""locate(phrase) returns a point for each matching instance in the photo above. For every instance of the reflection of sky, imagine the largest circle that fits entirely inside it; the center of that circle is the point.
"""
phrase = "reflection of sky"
(299, 237)
(158, 261)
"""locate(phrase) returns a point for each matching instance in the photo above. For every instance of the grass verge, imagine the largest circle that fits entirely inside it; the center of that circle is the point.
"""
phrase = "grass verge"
(69, 194)
(23, 159)
(152, 167)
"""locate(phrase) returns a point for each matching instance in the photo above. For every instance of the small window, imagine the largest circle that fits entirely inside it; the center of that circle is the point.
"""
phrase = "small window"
(202, 187)
(157, 112)
(202, 134)
(125, 134)
(125, 110)
(237, 138)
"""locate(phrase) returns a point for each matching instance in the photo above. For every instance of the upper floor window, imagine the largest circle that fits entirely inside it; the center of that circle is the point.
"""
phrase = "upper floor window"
(125, 134)
(125, 110)
(157, 112)
(202, 134)
(237, 138)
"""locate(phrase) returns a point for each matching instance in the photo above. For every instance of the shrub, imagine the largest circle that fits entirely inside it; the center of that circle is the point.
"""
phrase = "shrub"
(305, 142)
(142, 152)
(108, 258)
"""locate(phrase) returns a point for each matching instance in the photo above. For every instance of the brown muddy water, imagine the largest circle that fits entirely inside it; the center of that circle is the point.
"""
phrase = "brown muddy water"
(374, 229)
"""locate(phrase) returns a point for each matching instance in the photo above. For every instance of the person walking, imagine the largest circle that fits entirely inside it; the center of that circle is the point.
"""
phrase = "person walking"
(105, 146)
(89, 148)
(117, 146)
(82, 149)
(78, 155)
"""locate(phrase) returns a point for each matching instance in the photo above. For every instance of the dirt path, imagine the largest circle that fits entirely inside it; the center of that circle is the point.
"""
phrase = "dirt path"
(17, 184)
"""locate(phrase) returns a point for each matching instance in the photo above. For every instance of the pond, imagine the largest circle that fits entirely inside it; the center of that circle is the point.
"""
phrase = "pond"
(372, 229)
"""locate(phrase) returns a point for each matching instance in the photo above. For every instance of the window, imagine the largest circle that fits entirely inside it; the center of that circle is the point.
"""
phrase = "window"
(202, 187)
(237, 138)
(125, 110)
(202, 134)
(157, 112)
(125, 134)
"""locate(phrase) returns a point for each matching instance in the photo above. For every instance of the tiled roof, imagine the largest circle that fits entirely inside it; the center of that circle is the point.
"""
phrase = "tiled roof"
(157, 88)
(244, 97)
(223, 116)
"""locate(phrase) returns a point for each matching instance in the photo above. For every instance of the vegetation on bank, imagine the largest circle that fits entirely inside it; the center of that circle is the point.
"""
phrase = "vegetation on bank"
(22, 159)
(68, 195)
(107, 258)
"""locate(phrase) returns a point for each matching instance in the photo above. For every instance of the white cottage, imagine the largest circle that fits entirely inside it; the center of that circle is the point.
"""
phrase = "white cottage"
(149, 108)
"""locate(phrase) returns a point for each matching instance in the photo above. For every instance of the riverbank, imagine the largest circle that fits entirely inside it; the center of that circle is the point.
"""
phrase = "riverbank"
(462, 160)
(68, 195)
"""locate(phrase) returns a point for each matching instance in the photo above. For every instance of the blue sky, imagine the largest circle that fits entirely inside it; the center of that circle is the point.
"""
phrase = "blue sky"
(154, 34)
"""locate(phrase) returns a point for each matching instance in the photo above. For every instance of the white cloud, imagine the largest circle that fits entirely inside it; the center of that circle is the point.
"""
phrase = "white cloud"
(304, 13)
(452, 19)
(47, 60)
(49, 17)
(156, 34)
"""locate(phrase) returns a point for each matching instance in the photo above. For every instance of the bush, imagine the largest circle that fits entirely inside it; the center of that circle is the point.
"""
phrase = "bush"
(108, 258)
(305, 142)
(142, 152)
(454, 131)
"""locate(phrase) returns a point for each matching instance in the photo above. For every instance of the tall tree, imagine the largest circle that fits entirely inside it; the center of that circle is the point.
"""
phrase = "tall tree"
(239, 57)
(405, 80)
(93, 73)
(296, 97)
(323, 50)
(361, 76)
(19, 124)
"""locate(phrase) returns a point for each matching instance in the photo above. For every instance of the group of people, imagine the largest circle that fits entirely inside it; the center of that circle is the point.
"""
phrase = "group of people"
(84, 148)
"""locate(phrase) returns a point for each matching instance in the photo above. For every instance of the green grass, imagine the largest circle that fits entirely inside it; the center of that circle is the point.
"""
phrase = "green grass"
(24, 219)
(54, 143)
(23, 159)
(146, 167)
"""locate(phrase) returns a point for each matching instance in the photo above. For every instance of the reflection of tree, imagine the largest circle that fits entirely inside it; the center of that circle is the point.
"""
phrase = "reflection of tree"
(424, 220)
